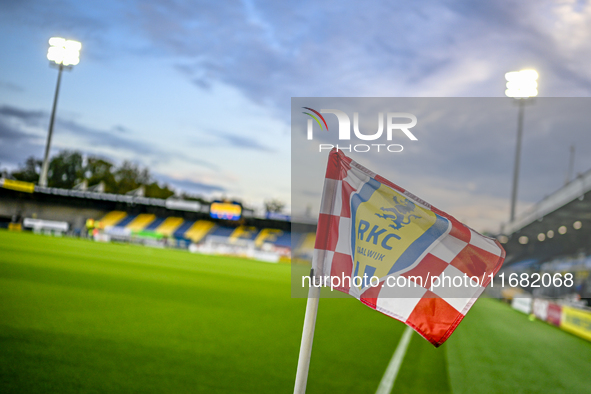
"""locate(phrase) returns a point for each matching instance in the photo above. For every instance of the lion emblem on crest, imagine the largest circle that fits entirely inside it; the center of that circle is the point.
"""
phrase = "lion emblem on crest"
(400, 214)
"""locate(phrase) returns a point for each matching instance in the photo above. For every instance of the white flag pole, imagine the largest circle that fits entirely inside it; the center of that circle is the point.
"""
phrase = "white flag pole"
(327, 205)
(307, 338)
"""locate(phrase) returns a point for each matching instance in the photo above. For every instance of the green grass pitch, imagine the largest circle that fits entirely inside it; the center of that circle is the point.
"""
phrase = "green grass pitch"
(84, 317)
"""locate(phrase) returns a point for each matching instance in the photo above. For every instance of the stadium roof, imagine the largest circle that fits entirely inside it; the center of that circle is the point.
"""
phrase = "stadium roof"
(559, 224)
(170, 203)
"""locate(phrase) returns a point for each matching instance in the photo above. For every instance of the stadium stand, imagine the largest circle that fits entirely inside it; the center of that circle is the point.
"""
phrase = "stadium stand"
(131, 228)
(222, 231)
(169, 226)
(141, 221)
(267, 235)
(307, 241)
(183, 228)
(552, 240)
(243, 232)
(125, 221)
(155, 222)
(112, 218)
(199, 230)
(558, 225)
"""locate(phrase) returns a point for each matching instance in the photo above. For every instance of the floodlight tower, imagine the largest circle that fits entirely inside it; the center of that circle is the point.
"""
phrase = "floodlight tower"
(520, 85)
(64, 54)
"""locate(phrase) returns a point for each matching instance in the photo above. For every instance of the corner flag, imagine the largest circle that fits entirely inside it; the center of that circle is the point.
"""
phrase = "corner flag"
(398, 254)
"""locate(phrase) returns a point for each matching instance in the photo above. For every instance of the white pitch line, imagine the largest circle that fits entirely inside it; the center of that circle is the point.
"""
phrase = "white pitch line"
(389, 377)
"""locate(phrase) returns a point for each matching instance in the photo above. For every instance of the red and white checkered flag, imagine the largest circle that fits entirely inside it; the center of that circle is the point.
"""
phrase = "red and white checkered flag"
(398, 254)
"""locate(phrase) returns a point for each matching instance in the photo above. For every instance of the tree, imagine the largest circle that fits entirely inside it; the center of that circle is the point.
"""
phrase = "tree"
(154, 190)
(68, 169)
(130, 176)
(99, 170)
(29, 172)
(190, 197)
(65, 170)
(274, 205)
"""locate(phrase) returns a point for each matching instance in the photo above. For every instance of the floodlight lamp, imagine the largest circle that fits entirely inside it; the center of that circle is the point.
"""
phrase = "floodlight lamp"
(57, 41)
(522, 84)
(550, 234)
(64, 52)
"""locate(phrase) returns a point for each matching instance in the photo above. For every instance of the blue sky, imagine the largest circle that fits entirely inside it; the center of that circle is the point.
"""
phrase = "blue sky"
(199, 91)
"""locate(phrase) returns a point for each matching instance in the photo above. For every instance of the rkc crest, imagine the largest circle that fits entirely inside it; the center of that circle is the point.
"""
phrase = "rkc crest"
(389, 232)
